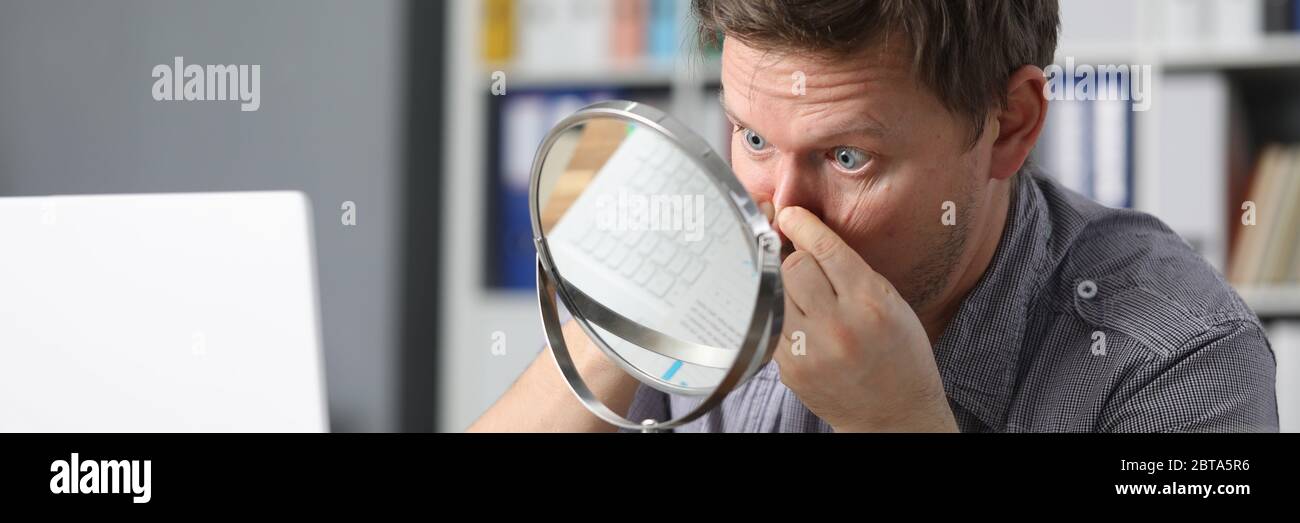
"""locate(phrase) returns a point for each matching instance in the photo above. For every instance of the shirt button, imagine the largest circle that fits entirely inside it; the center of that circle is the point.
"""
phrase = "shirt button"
(1087, 289)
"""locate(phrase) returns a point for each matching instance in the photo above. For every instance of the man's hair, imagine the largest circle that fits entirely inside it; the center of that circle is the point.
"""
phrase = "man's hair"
(963, 51)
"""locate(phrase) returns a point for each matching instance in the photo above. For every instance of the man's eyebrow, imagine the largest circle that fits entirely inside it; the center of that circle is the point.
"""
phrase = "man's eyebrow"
(867, 126)
(722, 100)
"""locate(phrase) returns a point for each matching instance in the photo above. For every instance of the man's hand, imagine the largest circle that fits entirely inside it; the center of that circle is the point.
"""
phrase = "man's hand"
(867, 364)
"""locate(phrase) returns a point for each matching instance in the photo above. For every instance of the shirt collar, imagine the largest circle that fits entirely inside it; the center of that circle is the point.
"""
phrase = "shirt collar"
(977, 353)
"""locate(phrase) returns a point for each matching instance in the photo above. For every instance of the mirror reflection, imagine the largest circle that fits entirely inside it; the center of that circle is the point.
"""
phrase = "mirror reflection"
(650, 251)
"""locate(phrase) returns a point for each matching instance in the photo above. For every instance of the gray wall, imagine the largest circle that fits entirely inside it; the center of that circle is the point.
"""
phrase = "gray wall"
(77, 116)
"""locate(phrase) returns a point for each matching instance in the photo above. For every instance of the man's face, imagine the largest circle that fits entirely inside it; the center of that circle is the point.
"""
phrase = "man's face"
(865, 148)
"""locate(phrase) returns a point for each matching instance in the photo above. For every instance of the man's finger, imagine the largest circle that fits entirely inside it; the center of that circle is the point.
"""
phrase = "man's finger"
(792, 313)
(841, 264)
(793, 321)
(806, 284)
(779, 354)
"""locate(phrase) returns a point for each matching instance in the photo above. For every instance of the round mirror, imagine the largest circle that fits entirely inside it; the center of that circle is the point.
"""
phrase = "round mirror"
(658, 253)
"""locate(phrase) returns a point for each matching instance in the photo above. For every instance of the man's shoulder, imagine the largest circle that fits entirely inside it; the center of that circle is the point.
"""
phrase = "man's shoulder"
(1127, 272)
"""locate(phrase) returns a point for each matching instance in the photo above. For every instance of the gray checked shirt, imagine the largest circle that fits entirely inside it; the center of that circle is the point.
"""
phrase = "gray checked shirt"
(1182, 352)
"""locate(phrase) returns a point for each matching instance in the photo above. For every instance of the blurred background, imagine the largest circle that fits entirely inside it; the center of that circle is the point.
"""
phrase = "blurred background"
(426, 114)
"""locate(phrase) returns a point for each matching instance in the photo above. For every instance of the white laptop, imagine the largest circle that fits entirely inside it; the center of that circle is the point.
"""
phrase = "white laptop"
(159, 313)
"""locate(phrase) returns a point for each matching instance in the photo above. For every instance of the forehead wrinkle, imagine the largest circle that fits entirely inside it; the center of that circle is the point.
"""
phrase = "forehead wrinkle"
(861, 122)
(828, 83)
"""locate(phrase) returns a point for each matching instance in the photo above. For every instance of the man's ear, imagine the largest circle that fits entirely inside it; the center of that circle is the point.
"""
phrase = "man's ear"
(1020, 123)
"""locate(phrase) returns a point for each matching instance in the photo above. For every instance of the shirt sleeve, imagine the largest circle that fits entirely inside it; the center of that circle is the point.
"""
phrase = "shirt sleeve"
(1225, 383)
(648, 403)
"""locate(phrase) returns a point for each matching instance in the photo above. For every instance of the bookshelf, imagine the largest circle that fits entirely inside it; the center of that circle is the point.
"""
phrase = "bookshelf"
(1253, 81)
(471, 377)
(1260, 78)
(473, 311)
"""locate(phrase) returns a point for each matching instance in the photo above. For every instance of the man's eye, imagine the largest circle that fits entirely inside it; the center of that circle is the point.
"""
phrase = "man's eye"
(850, 158)
(754, 141)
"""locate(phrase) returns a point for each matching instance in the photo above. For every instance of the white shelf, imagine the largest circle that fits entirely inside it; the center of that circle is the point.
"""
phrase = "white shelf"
(1281, 51)
(646, 73)
(624, 76)
(1273, 301)
(1271, 51)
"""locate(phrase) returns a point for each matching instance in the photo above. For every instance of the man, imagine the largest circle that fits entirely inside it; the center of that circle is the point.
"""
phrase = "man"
(1026, 308)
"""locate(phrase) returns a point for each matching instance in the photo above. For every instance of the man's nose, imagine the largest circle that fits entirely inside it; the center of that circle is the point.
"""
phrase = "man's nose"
(795, 185)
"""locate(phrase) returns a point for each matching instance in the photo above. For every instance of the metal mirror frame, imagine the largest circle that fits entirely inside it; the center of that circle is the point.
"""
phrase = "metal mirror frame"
(765, 324)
